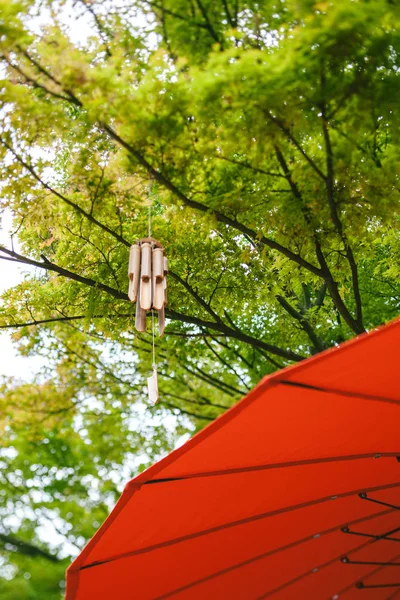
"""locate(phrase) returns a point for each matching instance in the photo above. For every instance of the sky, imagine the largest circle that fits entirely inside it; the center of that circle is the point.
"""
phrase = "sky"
(11, 363)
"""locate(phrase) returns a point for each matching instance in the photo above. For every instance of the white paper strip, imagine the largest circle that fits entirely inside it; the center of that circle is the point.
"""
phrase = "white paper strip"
(152, 387)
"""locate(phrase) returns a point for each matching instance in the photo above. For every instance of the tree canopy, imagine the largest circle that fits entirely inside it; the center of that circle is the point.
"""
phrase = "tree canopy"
(265, 137)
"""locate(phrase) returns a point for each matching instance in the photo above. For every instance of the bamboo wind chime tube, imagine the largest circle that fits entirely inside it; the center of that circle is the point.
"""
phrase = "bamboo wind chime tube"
(145, 278)
(133, 272)
(147, 273)
(148, 268)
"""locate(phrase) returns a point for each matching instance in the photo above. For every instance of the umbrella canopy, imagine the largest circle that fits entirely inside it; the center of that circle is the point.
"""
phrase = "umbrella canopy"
(293, 493)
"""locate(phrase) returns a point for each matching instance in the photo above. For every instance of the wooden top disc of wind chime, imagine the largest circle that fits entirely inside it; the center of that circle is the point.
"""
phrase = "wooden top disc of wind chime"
(147, 272)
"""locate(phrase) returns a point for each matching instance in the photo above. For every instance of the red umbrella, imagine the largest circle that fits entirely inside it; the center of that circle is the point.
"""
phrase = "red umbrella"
(293, 493)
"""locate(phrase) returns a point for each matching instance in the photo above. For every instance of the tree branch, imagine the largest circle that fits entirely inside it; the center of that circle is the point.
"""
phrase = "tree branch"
(14, 544)
(158, 176)
(237, 334)
(228, 14)
(273, 362)
(43, 321)
(225, 363)
(335, 215)
(305, 325)
(247, 165)
(222, 218)
(219, 326)
(321, 295)
(35, 83)
(289, 134)
(197, 402)
(73, 205)
(103, 32)
(186, 384)
(49, 266)
(325, 271)
(209, 26)
(185, 412)
(195, 295)
(171, 13)
(236, 13)
(47, 74)
(217, 339)
(216, 382)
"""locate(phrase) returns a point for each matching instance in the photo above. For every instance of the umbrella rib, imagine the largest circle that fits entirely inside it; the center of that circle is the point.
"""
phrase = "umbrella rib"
(349, 394)
(372, 572)
(271, 552)
(362, 586)
(364, 496)
(327, 564)
(253, 468)
(382, 536)
(347, 561)
(357, 583)
(370, 535)
(231, 524)
(324, 566)
(393, 595)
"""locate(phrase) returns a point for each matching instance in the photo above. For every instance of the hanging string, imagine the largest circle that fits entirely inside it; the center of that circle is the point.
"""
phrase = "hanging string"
(149, 203)
(147, 271)
(153, 332)
(152, 382)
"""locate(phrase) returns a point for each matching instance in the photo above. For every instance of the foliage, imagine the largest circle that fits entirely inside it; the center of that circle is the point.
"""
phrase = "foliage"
(264, 136)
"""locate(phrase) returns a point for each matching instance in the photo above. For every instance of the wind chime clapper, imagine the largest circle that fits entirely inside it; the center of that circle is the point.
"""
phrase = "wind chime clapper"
(148, 268)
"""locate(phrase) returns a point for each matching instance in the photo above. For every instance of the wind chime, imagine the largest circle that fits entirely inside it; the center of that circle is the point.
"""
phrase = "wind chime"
(147, 272)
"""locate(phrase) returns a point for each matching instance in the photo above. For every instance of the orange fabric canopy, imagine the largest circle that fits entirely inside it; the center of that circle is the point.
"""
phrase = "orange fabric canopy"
(294, 493)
